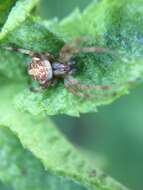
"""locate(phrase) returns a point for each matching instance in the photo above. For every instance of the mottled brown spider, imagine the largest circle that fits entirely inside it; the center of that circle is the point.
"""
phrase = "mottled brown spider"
(47, 70)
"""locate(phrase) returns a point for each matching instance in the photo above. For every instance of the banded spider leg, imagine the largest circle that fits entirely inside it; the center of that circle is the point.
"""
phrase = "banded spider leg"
(82, 90)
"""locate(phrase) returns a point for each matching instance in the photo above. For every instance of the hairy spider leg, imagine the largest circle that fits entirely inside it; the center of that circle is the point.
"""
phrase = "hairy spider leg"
(31, 53)
(41, 87)
(106, 88)
(67, 51)
(23, 51)
(69, 86)
(78, 40)
(36, 89)
(76, 93)
(87, 95)
(71, 48)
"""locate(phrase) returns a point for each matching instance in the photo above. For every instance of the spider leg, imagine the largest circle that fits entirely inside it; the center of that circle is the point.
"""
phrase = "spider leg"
(68, 50)
(75, 91)
(37, 89)
(80, 86)
(41, 87)
(54, 82)
(31, 53)
(92, 50)
(23, 51)
(81, 39)
(47, 55)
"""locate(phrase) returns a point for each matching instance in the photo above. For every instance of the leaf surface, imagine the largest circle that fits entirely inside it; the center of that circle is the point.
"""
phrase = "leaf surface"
(5, 7)
(115, 25)
(47, 144)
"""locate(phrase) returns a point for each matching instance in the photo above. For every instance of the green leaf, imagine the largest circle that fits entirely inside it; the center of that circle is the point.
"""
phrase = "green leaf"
(20, 170)
(115, 25)
(12, 66)
(17, 15)
(35, 35)
(47, 144)
(5, 7)
(49, 161)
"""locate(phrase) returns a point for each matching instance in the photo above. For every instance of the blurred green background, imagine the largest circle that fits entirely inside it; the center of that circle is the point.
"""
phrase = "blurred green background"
(114, 135)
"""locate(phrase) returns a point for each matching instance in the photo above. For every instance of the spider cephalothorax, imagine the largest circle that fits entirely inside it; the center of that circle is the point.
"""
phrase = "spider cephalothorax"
(47, 70)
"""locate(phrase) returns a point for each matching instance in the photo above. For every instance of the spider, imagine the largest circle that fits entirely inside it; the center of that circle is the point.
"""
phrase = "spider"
(47, 70)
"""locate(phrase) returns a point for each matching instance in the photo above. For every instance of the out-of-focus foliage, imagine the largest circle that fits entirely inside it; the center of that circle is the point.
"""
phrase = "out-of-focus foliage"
(5, 7)
(19, 12)
(22, 171)
(5, 187)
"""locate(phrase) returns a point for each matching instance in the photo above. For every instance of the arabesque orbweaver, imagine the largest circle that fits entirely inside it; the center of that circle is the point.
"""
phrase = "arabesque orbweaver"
(47, 70)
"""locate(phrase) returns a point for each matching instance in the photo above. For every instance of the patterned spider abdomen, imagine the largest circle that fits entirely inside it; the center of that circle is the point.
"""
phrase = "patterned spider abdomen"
(40, 70)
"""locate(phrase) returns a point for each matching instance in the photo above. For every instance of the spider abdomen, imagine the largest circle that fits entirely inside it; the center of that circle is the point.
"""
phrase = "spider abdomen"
(40, 70)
